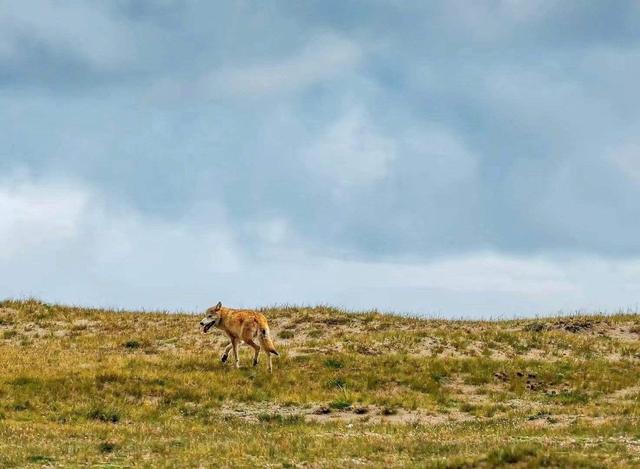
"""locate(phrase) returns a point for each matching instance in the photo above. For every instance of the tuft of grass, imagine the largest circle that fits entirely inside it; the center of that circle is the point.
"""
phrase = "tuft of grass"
(104, 415)
(333, 364)
(25, 381)
(511, 454)
(337, 383)
(21, 406)
(467, 407)
(387, 411)
(286, 334)
(340, 404)
(570, 397)
(438, 376)
(337, 320)
(281, 419)
(107, 447)
(40, 459)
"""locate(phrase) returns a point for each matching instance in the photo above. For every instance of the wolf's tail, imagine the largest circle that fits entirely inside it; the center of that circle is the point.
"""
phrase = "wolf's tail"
(266, 342)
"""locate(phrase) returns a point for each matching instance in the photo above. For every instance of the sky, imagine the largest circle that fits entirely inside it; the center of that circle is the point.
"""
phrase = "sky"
(444, 158)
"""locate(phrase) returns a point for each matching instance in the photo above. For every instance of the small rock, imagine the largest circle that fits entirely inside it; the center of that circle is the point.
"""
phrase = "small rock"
(501, 375)
(535, 327)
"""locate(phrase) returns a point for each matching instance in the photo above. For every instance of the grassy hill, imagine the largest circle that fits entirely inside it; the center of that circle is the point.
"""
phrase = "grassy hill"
(117, 389)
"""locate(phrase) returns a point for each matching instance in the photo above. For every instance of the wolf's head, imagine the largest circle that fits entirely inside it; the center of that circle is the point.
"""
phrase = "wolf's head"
(212, 317)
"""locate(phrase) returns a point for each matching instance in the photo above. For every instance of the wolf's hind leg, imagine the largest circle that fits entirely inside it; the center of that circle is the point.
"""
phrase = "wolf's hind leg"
(234, 344)
(256, 350)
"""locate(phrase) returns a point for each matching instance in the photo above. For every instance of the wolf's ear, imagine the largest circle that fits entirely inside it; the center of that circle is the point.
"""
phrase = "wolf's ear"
(218, 306)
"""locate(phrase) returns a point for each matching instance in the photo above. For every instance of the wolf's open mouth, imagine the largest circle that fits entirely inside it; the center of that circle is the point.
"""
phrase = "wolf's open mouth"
(207, 327)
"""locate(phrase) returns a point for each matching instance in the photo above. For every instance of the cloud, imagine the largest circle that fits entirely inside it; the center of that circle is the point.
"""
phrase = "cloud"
(67, 244)
(489, 21)
(350, 152)
(627, 158)
(88, 33)
(447, 158)
(33, 216)
(323, 58)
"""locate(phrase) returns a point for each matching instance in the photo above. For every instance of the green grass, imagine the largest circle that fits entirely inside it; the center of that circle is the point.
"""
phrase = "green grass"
(82, 387)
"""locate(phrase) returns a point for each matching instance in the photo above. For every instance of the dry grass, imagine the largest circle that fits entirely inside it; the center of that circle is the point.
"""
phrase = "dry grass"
(93, 387)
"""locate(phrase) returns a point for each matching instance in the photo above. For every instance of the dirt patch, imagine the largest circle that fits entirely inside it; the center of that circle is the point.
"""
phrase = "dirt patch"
(377, 414)
(546, 419)
(364, 414)
(366, 350)
(627, 334)
(7, 316)
(83, 324)
(535, 384)
(34, 330)
(630, 393)
(296, 352)
(471, 394)
(531, 380)
(335, 321)
(603, 328)
(575, 326)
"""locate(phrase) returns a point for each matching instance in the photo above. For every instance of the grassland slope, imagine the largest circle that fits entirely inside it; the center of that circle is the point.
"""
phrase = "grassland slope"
(85, 387)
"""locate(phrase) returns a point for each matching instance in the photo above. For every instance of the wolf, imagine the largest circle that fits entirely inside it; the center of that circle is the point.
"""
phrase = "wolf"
(240, 325)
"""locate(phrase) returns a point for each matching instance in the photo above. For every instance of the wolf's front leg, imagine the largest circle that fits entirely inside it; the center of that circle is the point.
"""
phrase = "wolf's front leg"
(225, 354)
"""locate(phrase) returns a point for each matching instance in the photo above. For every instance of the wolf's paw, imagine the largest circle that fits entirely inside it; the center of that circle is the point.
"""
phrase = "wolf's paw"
(224, 357)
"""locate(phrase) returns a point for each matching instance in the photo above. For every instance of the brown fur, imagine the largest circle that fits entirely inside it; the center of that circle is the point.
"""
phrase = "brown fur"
(240, 325)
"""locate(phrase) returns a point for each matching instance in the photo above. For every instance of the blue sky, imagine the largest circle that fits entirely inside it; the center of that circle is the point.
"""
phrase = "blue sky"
(452, 158)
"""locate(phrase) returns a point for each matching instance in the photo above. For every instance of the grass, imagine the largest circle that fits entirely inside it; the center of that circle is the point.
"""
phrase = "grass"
(82, 387)
(286, 334)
